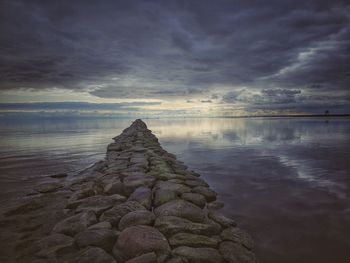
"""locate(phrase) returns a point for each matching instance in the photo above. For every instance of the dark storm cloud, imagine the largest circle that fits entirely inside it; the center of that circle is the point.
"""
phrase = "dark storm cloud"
(75, 106)
(155, 49)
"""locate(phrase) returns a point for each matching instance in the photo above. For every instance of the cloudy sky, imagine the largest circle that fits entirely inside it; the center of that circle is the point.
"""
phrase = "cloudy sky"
(198, 57)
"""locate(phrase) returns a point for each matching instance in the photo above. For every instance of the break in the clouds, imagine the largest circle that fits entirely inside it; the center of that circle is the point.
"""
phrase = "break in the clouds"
(229, 55)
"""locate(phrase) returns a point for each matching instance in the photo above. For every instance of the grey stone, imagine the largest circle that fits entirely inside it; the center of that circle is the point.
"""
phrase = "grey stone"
(197, 199)
(163, 196)
(101, 225)
(115, 187)
(93, 254)
(216, 205)
(75, 224)
(142, 195)
(145, 258)
(114, 214)
(170, 225)
(136, 240)
(177, 188)
(192, 240)
(197, 182)
(221, 219)
(180, 208)
(138, 217)
(103, 238)
(99, 203)
(198, 255)
(209, 194)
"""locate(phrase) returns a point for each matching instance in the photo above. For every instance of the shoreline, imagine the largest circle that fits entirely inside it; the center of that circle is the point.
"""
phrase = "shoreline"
(138, 205)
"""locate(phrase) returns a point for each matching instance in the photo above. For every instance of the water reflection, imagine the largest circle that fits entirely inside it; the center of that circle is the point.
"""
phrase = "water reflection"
(285, 180)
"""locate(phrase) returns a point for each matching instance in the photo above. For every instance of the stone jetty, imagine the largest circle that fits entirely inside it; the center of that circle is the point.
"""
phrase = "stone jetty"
(139, 205)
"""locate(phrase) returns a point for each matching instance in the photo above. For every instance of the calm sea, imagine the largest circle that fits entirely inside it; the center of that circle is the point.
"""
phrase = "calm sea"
(285, 180)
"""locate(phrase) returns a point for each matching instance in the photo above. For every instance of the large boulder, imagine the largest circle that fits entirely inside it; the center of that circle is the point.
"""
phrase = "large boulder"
(235, 253)
(143, 195)
(162, 196)
(192, 240)
(114, 187)
(197, 199)
(101, 225)
(93, 254)
(180, 208)
(209, 194)
(170, 225)
(99, 203)
(114, 214)
(75, 224)
(103, 238)
(196, 182)
(138, 217)
(198, 255)
(175, 187)
(137, 240)
(221, 219)
(145, 258)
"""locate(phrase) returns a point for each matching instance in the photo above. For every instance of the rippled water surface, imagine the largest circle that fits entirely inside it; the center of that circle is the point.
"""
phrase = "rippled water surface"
(285, 180)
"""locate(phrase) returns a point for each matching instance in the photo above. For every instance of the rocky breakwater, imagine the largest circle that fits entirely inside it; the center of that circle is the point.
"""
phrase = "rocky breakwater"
(140, 205)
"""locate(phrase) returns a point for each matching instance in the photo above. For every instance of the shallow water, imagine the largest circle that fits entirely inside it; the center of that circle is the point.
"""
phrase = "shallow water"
(285, 180)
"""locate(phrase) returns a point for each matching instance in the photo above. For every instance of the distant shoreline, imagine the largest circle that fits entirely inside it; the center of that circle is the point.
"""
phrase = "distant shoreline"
(289, 116)
(43, 116)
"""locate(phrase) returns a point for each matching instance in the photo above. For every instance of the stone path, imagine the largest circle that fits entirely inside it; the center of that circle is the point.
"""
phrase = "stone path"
(139, 205)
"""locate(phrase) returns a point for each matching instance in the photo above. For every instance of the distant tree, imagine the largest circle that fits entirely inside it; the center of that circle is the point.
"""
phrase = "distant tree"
(326, 112)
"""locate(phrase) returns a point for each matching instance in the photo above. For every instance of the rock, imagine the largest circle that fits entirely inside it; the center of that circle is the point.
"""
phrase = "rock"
(197, 182)
(198, 255)
(60, 175)
(209, 194)
(145, 258)
(137, 179)
(180, 208)
(192, 240)
(137, 240)
(197, 199)
(170, 225)
(75, 224)
(101, 225)
(98, 203)
(93, 254)
(176, 260)
(169, 176)
(235, 253)
(138, 217)
(236, 234)
(73, 201)
(163, 196)
(221, 219)
(215, 205)
(114, 214)
(115, 187)
(54, 245)
(103, 238)
(142, 195)
(48, 187)
(177, 188)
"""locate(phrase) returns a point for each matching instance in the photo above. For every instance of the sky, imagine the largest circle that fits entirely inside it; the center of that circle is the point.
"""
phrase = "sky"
(175, 58)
